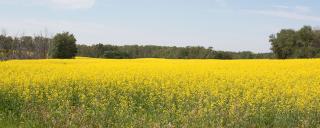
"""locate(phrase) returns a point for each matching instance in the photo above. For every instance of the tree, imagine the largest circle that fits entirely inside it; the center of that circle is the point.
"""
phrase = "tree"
(283, 43)
(63, 46)
(305, 38)
(288, 43)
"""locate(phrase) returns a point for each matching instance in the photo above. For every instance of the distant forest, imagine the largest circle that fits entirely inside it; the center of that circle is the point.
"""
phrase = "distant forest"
(151, 51)
(286, 44)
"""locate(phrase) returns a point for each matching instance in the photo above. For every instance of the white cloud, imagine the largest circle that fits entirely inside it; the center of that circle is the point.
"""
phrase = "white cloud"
(222, 3)
(72, 4)
(60, 4)
(302, 9)
(286, 14)
(280, 7)
(296, 13)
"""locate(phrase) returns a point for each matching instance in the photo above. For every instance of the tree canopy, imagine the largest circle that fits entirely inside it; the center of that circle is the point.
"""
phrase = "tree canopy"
(289, 43)
(63, 46)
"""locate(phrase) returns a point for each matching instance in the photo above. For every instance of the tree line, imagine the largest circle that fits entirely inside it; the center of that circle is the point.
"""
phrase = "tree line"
(25, 47)
(152, 51)
(288, 43)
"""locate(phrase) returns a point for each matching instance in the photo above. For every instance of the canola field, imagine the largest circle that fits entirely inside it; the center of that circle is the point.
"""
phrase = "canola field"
(93, 93)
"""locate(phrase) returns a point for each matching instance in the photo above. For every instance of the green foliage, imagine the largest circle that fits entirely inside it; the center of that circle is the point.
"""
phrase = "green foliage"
(223, 55)
(63, 46)
(288, 43)
(151, 51)
(115, 55)
(25, 47)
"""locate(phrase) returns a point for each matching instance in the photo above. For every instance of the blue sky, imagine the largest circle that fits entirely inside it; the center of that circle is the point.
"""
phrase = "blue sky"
(234, 25)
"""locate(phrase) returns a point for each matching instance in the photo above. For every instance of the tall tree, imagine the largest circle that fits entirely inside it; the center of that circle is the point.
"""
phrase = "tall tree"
(283, 43)
(63, 46)
(304, 43)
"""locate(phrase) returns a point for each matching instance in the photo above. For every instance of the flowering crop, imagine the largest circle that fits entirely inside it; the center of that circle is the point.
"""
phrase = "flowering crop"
(160, 93)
